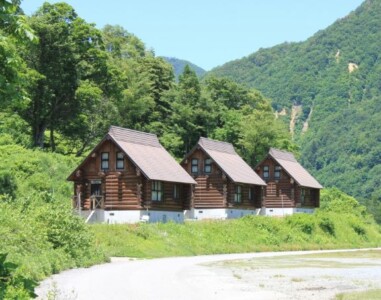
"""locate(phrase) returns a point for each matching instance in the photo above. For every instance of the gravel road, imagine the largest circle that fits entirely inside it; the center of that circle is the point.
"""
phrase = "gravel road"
(270, 275)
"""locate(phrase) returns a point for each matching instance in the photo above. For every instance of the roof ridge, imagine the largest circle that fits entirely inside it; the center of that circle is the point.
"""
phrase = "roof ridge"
(214, 145)
(209, 139)
(286, 155)
(294, 168)
(131, 130)
(120, 134)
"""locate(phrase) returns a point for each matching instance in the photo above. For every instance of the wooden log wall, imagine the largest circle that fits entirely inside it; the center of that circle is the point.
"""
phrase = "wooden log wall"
(285, 192)
(119, 187)
(168, 201)
(216, 190)
(279, 192)
(125, 189)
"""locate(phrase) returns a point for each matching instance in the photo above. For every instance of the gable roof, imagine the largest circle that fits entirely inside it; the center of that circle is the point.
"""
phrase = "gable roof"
(288, 162)
(146, 152)
(224, 155)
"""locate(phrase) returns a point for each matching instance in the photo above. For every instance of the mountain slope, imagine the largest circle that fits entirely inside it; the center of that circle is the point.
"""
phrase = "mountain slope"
(179, 65)
(333, 82)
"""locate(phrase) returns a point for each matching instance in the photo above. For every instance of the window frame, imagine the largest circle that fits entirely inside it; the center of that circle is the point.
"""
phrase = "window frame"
(157, 191)
(105, 160)
(118, 160)
(238, 193)
(302, 195)
(251, 194)
(176, 192)
(208, 164)
(266, 170)
(277, 172)
(194, 164)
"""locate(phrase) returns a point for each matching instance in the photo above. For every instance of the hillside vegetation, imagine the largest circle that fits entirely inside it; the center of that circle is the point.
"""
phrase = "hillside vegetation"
(334, 79)
(340, 223)
(39, 234)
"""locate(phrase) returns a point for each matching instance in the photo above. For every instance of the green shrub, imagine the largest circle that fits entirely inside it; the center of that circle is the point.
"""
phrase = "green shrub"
(334, 200)
(303, 222)
(360, 230)
(8, 184)
(327, 225)
(12, 284)
(66, 231)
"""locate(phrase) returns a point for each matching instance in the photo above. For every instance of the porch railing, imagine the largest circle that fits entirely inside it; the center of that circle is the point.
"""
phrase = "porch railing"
(96, 202)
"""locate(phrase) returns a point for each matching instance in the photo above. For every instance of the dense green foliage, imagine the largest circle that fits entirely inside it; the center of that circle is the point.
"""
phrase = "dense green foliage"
(179, 65)
(341, 223)
(12, 285)
(39, 233)
(60, 91)
(342, 146)
(13, 30)
(77, 80)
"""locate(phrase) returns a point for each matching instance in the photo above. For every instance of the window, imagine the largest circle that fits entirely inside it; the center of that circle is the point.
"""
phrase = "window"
(251, 194)
(277, 172)
(194, 166)
(119, 160)
(208, 166)
(302, 196)
(104, 160)
(157, 191)
(266, 174)
(176, 192)
(238, 194)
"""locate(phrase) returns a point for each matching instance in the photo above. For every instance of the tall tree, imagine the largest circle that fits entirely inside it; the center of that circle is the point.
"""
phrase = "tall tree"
(69, 51)
(122, 44)
(13, 31)
(192, 113)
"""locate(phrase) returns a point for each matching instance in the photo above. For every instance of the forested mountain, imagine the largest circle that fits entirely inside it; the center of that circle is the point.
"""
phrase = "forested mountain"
(179, 65)
(328, 88)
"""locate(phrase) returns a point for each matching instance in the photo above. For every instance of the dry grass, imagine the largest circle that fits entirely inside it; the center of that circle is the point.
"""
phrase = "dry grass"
(363, 295)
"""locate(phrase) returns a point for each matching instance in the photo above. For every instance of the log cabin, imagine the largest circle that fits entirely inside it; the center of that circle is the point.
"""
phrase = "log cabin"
(290, 188)
(129, 177)
(226, 186)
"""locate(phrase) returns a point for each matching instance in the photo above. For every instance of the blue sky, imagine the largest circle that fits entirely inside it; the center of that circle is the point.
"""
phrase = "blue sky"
(211, 32)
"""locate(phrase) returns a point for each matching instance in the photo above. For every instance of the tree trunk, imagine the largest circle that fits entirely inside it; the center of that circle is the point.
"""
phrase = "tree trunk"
(38, 135)
(52, 141)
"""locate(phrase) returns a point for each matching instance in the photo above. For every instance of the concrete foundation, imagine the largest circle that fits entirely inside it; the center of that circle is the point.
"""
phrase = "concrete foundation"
(154, 216)
(132, 216)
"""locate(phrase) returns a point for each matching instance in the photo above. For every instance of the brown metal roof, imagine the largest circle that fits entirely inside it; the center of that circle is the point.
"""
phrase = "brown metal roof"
(288, 162)
(224, 155)
(145, 150)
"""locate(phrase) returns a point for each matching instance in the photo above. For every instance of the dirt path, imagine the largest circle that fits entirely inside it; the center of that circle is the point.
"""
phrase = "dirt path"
(285, 275)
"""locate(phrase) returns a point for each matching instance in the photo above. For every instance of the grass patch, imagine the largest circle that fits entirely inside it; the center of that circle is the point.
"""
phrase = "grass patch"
(367, 254)
(360, 258)
(369, 295)
(248, 234)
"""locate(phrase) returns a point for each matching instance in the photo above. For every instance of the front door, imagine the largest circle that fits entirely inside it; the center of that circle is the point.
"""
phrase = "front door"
(96, 189)
(96, 194)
